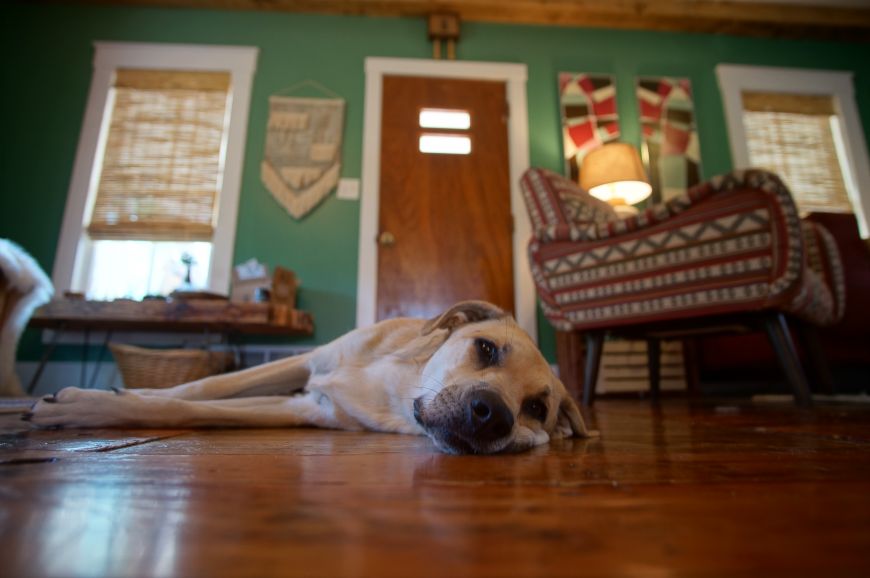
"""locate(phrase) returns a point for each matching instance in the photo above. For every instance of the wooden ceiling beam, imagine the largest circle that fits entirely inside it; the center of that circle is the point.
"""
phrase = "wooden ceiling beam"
(703, 16)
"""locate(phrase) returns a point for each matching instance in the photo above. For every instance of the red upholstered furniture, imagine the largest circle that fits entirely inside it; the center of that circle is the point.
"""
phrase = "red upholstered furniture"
(730, 252)
(846, 344)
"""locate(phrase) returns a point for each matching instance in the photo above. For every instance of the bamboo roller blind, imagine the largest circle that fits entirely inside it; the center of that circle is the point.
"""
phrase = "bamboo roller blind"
(162, 163)
(791, 135)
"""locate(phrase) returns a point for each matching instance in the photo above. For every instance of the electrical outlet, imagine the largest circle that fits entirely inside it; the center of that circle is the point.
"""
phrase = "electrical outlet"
(348, 189)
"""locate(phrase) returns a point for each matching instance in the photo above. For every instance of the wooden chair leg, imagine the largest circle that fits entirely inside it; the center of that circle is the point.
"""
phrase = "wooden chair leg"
(777, 331)
(594, 346)
(569, 355)
(654, 360)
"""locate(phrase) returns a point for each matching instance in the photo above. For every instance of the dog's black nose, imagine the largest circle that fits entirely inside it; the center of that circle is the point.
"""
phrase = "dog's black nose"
(487, 417)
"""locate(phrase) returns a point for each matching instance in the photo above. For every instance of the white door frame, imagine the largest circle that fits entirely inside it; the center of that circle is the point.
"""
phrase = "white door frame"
(514, 76)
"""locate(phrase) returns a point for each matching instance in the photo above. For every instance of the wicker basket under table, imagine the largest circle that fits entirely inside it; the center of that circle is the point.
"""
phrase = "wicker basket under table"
(161, 368)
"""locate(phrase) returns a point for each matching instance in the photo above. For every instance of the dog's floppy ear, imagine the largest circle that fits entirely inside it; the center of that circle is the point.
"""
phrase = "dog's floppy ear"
(570, 422)
(462, 313)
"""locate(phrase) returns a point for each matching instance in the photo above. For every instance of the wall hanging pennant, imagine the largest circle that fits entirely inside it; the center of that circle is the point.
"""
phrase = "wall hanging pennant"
(302, 161)
(670, 137)
(589, 116)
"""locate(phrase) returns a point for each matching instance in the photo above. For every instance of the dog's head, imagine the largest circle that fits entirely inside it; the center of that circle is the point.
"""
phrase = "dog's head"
(487, 388)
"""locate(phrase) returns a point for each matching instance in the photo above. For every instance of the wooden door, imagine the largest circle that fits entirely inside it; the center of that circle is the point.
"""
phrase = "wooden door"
(445, 222)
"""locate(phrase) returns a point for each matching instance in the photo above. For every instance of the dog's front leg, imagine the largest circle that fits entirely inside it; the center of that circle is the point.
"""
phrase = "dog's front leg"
(74, 407)
(281, 377)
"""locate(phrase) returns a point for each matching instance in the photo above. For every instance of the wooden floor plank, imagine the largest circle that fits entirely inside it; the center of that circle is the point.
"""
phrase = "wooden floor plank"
(678, 490)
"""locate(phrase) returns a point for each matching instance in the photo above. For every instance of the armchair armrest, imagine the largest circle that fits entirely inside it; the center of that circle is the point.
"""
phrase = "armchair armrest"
(578, 230)
(822, 298)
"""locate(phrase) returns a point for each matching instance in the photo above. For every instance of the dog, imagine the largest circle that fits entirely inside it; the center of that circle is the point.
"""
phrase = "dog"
(470, 379)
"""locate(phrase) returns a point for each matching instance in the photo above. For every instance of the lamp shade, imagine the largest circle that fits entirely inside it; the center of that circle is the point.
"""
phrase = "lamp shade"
(614, 173)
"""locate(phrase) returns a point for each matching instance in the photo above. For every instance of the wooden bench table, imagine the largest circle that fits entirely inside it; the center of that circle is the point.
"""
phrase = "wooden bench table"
(207, 316)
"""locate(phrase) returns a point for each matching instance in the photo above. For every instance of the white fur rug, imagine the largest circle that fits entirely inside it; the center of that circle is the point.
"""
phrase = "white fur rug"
(25, 288)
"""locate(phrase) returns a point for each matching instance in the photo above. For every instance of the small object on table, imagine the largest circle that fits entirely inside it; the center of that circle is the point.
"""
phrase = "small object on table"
(249, 278)
(284, 284)
(283, 296)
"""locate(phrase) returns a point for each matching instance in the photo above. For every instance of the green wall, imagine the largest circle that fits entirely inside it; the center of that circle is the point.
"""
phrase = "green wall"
(48, 52)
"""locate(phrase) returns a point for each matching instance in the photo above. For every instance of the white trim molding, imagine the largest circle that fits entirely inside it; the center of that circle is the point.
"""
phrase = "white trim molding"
(734, 80)
(514, 76)
(240, 62)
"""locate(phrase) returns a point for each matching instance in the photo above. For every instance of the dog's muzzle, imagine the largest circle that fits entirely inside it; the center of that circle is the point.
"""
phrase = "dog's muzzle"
(476, 421)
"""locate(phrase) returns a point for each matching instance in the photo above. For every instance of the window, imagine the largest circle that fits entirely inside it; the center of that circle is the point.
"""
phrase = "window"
(445, 118)
(797, 137)
(445, 143)
(804, 126)
(154, 195)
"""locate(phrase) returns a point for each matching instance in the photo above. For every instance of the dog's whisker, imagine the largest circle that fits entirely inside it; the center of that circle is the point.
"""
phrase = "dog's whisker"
(434, 392)
(438, 381)
(441, 385)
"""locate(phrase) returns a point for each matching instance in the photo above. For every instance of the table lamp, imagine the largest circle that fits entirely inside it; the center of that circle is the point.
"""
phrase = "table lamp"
(614, 173)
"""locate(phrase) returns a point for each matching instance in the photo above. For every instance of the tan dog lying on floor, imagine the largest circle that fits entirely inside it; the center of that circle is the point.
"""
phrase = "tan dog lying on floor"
(470, 379)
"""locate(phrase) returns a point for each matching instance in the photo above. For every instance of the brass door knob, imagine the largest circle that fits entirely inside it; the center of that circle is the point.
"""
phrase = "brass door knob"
(386, 239)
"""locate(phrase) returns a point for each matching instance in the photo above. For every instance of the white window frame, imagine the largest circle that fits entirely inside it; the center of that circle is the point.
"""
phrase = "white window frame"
(514, 76)
(70, 268)
(734, 80)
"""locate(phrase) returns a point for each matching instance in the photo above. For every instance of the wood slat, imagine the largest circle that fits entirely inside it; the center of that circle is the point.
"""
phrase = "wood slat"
(145, 79)
(798, 20)
(810, 104)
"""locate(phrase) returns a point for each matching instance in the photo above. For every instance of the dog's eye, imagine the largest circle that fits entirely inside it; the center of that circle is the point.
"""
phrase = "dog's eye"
(535, 409)
(487, 352)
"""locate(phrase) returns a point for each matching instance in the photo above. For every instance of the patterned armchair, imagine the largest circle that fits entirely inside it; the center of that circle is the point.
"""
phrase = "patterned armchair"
(731, 252)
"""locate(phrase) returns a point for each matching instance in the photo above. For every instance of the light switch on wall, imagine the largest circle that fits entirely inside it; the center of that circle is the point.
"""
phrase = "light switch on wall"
(348, 189)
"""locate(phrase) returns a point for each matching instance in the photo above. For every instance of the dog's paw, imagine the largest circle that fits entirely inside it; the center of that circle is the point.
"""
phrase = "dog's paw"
(74, 407)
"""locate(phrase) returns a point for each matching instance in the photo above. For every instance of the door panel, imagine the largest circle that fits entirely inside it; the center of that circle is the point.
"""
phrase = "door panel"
(448, 216)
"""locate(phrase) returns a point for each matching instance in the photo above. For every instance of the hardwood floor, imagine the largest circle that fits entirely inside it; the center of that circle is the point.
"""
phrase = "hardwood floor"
(677, 490)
